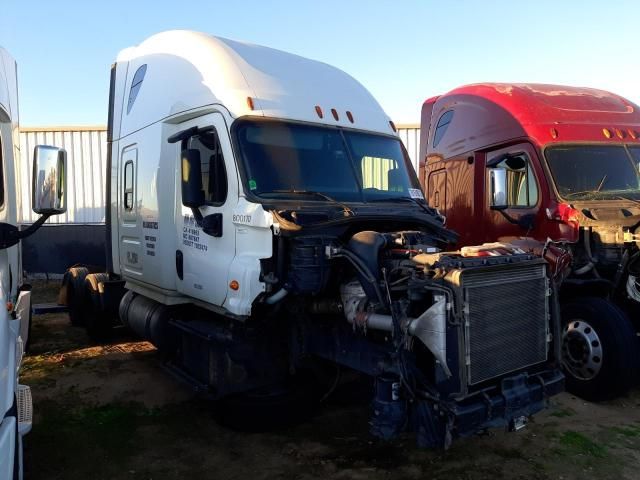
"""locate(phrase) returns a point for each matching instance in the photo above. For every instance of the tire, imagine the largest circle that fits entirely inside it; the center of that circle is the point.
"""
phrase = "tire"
(98, 323)
(600, 353)
(73, 282)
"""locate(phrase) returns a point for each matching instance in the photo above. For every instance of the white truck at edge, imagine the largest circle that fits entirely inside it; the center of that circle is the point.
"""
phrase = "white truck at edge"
(15, 296)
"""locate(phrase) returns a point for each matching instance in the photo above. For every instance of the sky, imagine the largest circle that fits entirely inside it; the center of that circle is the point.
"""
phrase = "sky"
(403, 51)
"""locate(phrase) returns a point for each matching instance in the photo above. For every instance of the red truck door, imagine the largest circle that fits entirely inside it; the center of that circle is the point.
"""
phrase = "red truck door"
(522, 195)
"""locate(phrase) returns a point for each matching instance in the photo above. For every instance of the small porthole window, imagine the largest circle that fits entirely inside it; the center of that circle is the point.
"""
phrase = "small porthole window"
(442, 126)
(128, 186)
(135, 86)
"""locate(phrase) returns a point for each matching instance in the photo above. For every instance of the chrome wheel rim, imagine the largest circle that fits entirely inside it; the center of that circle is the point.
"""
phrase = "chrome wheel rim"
(581, 350)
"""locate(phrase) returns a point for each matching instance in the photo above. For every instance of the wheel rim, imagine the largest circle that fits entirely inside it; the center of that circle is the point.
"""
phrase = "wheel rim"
(581, 350)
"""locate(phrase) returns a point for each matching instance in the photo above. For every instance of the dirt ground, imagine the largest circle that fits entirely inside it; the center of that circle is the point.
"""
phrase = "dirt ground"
(112, 412)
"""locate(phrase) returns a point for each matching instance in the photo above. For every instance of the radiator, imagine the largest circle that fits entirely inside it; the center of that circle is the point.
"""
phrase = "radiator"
(506, 319)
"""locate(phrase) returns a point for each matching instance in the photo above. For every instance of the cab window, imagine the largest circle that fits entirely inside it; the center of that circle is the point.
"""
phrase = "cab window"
(635, 154)
(136, 83)
(441, 128)
(378, 173)
(214, 174)
(128, 185)
(522, 189)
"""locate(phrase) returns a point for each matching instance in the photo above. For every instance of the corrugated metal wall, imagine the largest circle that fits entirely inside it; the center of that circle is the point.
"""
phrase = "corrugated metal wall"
(86, 158)
(410, 136)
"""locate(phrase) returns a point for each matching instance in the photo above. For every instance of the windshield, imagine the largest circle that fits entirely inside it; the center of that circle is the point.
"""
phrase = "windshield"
(595, 172)
(284, 160)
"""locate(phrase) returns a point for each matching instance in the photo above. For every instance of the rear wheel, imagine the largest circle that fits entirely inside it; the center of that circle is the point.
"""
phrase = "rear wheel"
(599, 349)
(73, 284)
(98, 322)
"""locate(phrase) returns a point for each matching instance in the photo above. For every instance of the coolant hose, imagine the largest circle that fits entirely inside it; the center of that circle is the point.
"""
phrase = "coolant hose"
(587, 248)
(363, 270)
(584, 269)
(276, 297)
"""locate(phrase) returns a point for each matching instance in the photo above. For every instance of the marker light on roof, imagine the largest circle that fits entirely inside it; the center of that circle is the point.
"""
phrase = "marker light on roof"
(606, 132)
(250, 103)
(619, 133)
(334, 112)
(350, 116)
(632, 133)
(553, 132)
(393, 126)
(319, 111)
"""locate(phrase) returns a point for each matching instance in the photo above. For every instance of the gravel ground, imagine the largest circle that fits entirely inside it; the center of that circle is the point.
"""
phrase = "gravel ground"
(111, 412)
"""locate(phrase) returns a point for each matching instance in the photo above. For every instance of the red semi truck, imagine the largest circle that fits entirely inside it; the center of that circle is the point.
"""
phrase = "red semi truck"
(554, 164)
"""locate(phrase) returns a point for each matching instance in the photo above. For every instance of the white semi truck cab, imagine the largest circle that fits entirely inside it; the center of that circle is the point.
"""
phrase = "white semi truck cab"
(48, 187)
(264, 220)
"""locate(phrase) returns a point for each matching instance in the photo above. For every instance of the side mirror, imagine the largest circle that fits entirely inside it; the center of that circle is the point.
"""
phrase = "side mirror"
(49, 181)
(192, 193)
(498, 186)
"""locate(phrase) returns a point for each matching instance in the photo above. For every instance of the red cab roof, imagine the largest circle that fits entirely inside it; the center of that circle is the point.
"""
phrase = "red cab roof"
(490, 113)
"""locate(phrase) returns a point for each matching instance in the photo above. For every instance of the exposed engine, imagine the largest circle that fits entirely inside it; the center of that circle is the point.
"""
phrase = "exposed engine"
(452, 325)
(608, 253)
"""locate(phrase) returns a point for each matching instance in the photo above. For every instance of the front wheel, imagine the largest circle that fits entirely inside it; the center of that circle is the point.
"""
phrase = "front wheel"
(599, 349)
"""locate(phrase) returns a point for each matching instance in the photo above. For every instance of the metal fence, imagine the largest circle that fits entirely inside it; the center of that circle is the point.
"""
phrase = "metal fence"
(86, 162)
(410, 136)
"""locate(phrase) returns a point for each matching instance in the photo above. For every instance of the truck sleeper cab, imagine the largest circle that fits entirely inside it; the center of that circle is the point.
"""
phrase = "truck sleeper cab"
(559, 165)
(264, 219)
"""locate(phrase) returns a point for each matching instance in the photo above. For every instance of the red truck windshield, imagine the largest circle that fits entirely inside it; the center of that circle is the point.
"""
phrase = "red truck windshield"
(595, 172)
(282, 159)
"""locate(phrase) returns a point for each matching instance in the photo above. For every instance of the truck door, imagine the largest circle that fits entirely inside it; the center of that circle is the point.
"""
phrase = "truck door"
(202, 261)
(129, 205)
(521, 196)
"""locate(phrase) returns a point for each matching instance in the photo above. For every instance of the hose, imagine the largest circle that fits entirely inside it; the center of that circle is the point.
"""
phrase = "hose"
(399, 340)
(363, 270)
(632, 266)
(276, 297)
(584, 269)
(622, 266)
(587, 248)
